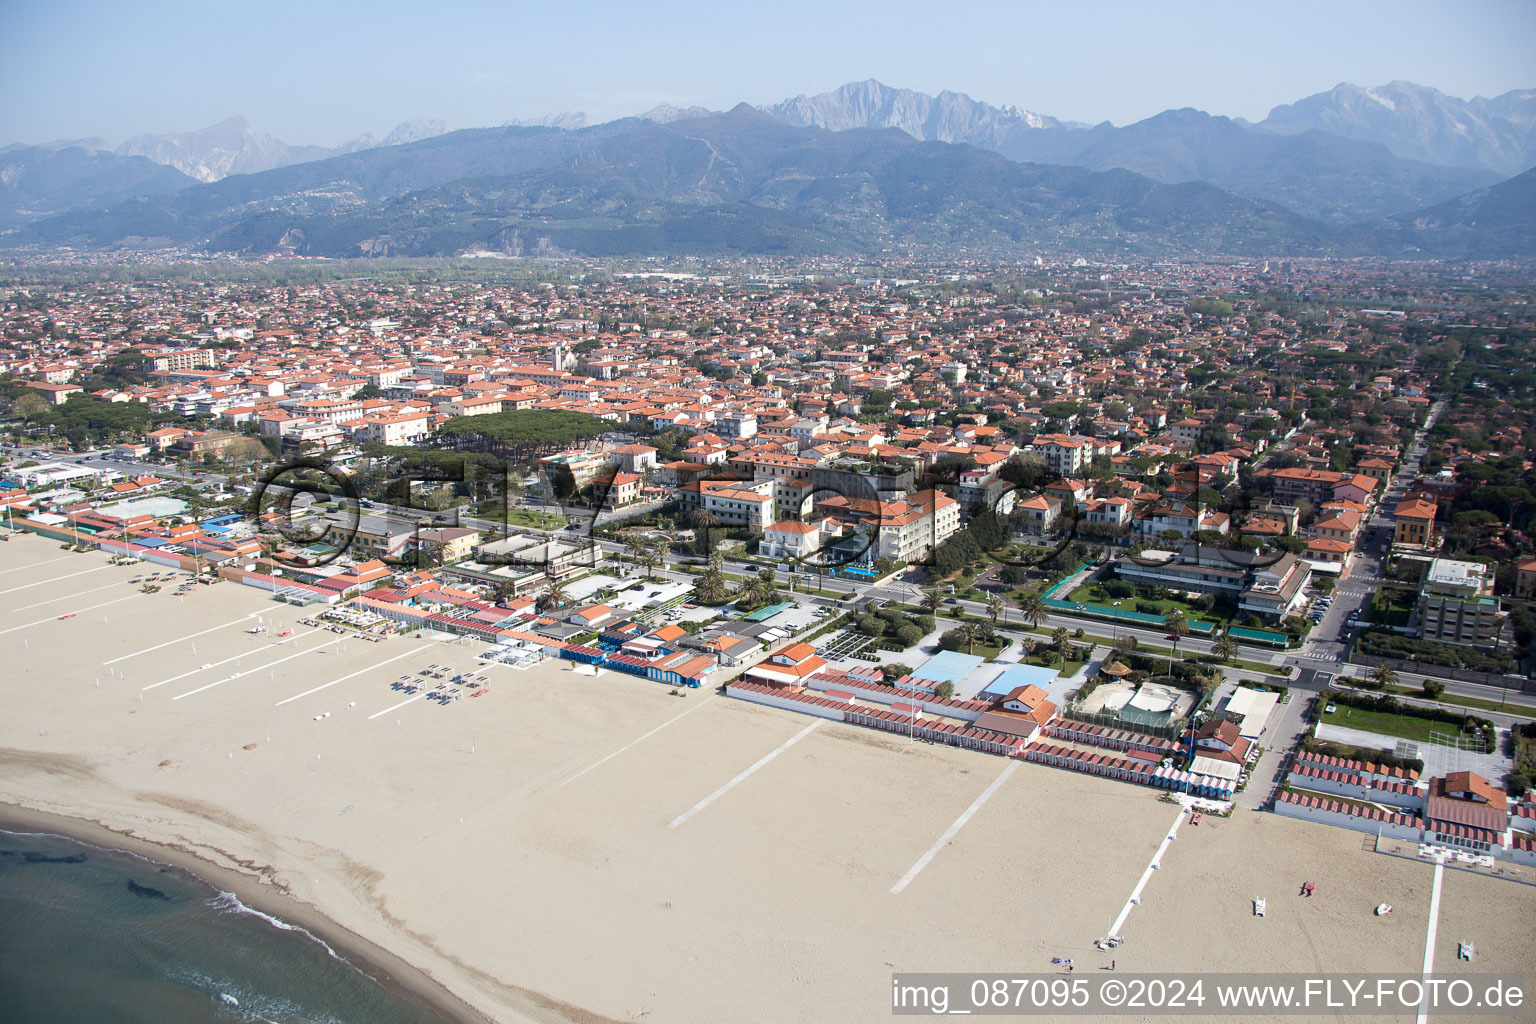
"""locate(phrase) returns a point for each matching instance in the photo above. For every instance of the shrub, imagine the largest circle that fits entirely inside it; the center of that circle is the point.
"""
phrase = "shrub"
(1120, 589)
(1385, 644)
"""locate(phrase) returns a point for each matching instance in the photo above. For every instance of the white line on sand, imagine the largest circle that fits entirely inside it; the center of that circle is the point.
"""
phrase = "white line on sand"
(54, 579)
(226, 661)
(717, 794)
(46, 561)
(258, 668)
(66, 597)
(954, 829)
(1157, 858)
(394, 707)
(189, 636)
(1434, 926)
(77, 611)
(344, 678)
(608, 757)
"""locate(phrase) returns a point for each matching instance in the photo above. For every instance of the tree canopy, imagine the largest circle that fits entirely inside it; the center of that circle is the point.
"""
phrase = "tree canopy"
(539, 427)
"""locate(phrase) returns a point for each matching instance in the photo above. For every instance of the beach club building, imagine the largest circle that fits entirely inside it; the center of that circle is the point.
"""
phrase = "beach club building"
(1460, 815)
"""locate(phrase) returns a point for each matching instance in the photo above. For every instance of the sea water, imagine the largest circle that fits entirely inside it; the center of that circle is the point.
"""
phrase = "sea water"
(90, 936)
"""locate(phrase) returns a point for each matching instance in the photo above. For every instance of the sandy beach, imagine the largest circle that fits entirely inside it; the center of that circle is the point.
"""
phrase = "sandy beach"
(571, 848)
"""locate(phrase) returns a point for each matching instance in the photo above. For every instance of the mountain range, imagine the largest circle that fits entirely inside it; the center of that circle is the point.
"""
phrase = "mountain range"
(863, 165)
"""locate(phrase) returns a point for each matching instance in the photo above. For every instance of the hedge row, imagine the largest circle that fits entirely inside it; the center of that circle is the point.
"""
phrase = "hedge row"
(1384, 644)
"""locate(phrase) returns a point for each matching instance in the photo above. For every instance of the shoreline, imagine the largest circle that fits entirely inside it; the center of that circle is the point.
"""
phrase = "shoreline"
(391, 972)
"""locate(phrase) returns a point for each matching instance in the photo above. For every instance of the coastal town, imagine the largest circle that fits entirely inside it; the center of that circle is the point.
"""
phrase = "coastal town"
(1244, 545)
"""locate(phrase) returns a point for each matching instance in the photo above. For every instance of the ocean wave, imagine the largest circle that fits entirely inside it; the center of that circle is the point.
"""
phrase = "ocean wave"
(229, 902)
(240, 1002)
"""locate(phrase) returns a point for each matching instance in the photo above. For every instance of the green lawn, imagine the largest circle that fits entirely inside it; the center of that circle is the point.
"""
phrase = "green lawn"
(1402, 726)
(534, 518)
(1516, 705)
(1093, 593)
(1390, 606)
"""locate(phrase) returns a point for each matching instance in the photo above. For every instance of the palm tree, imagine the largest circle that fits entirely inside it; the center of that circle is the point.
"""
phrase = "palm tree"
(717, 560)
(711, 586)
(932, 601)
(995, 607)
(1033, 608)
(761, 589)
(1176, 625)
(1029, 644)
(970, 633)
(634, 546)
(650, 558)
(1383, 676)
(1059, 638)
(553, 595)
(703, 524)
(1225, 647)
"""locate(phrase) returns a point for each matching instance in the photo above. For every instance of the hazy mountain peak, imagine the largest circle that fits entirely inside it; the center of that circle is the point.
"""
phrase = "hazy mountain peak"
(405, 131)
(947, 117)
(567, 121)
(230, 147)
(1422, 123)
(666, 113)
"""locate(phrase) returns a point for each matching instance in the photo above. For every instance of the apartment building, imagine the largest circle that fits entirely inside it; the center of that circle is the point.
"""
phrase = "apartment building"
(331, 410)
(405, 428)
(584, 466)
(1525, 578)
(1275, 590)
(374, 537)
(485, 405)
(741, 425)
(1065, 454)
(906, 528)
(1415, 524)
(745, 505)
(634, 458)
(790, 539)
(177, 359)
(1457, 606)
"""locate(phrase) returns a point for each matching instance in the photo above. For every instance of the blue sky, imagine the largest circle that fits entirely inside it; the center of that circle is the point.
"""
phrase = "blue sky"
(322, 72)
